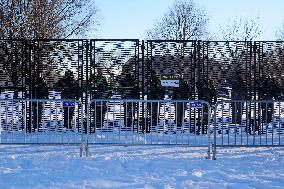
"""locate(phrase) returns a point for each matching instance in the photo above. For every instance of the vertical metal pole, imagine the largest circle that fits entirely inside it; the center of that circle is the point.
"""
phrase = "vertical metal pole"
(101, 118)
(272, 123)
(50, 120)
(151, 117)
(189, 125)
(88, 52)
(88, 120)
(215, 132)
(143, 68)
(107, 121)
(182, 126)
(254, 122)
(68, 126)
(25, 122)
(259, 122)
(158, 121)
(132, 126)
(145, 121)
(229, 124)
(75, 123)
(176, 118)
(95, 118)
(56, 118)
(12, 124)
(201, 125)
(138, 125)
(279, 125)
(170, 125)
(241, 124)
(143, 86)
(236, 122)
(266, 123)
(208, 127)
(125, 124)
(1, 127)
(248, 121)
(37, 120)
(31, 118)
(6, 120)
(222, 122)
(120, 119)
(18, 114)
(164, 122)
(195, 120)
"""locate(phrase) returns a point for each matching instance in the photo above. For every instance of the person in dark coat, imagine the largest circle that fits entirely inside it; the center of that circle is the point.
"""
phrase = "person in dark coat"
(40, 91)
(100, 90)
(155, 92)
(181, 93)
(269, 90)
(207, 92)
(70, 89)
(128, 90)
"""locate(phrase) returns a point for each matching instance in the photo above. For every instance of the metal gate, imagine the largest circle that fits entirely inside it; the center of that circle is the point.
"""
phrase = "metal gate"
(255, 123)
(115, 68)
(171, 57)
(14, 64)
(245, 70)
(33, 68)
(41, 121)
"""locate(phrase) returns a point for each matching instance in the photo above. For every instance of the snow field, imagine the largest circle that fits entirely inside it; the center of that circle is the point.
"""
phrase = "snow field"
(26, 166)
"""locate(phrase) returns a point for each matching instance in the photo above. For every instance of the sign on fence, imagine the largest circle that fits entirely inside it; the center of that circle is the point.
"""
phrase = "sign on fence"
(170, 80)
(69, 103)
(195, 104)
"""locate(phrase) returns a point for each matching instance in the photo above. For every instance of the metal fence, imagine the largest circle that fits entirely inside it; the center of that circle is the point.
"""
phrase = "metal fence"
(149, 122)
(209, 69)
(250, 123)
(237, 123)
(40, 121)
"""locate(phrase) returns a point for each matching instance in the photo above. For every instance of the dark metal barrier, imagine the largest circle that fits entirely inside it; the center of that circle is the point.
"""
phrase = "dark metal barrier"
(246, 69)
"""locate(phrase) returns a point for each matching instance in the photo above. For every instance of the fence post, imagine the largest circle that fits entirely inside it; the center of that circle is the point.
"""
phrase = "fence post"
(84, 146)
(208, 129)
(214, 147)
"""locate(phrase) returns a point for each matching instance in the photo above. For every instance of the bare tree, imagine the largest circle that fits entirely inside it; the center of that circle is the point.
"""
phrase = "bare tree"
(280, 32)
(184, 20)
(241, 29)
(27, 19)
(40, 19)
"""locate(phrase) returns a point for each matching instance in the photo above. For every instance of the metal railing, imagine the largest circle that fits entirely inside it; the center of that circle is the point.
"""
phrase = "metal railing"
(149, 122)
(248, 123)
(41, 121)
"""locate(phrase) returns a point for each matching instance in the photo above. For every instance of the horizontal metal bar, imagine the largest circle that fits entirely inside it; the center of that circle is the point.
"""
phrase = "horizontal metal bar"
(169, 40)
(250, 101)
(157, 40)
(142, 144)
(44, 144)
(141, 100)
(59, 40)
(122, 40)
(40, 100)
(246, 145)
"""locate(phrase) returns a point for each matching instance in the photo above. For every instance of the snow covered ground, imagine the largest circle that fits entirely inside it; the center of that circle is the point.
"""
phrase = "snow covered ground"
(139, 167)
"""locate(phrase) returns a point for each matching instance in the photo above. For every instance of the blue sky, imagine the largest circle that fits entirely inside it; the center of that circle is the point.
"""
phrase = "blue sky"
(130, 18)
